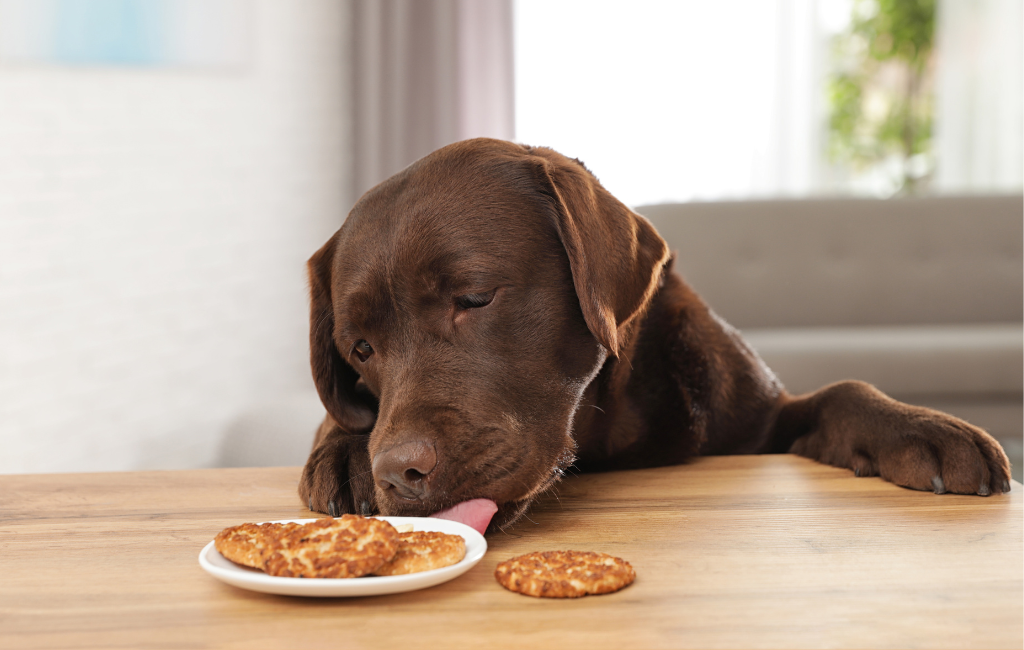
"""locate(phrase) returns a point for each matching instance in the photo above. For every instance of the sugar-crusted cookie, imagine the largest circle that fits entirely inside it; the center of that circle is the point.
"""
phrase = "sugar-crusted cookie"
(564, 574)
(423, 551)
(347, 547)
(245, 544)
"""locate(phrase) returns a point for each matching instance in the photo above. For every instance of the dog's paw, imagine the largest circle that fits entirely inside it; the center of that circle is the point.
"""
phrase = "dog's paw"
(853, 424)
(937, 452)
(338, 478)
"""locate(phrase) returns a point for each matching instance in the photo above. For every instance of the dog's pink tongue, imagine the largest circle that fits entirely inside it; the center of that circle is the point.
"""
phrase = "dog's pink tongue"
(475, 513)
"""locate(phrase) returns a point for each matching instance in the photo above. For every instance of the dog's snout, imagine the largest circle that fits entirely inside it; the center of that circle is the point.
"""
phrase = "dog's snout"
(404, 468)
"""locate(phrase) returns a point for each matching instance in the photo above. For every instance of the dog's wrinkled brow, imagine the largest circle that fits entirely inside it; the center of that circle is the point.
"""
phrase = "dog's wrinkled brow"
(364, 311)
(414, 278)
(458, 271)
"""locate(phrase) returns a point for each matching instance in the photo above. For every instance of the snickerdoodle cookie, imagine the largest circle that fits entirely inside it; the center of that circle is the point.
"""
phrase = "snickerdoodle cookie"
(423, 551)
(347, 547)
(564, 574)
(245, 544)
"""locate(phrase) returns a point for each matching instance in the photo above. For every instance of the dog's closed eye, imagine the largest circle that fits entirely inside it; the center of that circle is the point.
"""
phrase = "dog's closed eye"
(474, 300)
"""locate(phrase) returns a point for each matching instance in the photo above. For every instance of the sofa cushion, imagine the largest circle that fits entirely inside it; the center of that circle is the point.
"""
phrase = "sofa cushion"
(899, 360)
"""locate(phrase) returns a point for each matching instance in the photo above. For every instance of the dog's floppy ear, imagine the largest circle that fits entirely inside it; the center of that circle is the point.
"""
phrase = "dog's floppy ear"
(335, 379)
(616, 255)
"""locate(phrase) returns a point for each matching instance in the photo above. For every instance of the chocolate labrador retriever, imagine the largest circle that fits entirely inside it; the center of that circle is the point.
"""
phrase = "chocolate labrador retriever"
(491, 315)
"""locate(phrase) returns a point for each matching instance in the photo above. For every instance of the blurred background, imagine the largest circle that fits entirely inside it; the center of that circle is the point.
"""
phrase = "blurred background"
(842, 180)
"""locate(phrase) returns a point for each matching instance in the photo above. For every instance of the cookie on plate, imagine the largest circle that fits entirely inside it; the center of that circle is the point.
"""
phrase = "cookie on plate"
(423, 551)
(564, 574)
(347, 547)
(245, 544)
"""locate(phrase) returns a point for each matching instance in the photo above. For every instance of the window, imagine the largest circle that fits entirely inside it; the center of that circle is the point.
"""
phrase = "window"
(677, 101)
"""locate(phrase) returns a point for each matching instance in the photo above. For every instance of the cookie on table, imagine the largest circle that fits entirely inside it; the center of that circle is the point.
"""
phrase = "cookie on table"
(564, 574)
(245, 544)
(423, 551)
(347, 547)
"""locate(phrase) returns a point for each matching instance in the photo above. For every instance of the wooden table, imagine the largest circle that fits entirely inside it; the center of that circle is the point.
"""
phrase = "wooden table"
(748, 551)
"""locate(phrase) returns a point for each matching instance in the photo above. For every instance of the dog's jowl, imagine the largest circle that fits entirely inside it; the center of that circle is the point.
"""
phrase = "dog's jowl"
(491, 315)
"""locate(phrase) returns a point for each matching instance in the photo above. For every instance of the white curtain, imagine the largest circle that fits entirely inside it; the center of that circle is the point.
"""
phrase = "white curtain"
(787, 164)
(427, 73)
(980, 102)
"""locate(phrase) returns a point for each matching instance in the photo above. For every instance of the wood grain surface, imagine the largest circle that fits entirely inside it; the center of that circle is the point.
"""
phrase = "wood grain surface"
(746, 551)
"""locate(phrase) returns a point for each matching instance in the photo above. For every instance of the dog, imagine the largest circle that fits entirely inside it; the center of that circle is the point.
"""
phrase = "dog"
(491, 316)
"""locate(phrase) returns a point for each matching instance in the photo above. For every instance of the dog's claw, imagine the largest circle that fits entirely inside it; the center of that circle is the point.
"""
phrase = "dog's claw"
(311, 504)
(332, 509)
(983, 490)
(938, 485)
(364, 507)
(1006, 486)
(856, 471)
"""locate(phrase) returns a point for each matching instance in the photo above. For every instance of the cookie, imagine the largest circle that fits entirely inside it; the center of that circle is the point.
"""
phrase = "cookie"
(423, 551)
(347, 547)
(245, 544)
(564, 574)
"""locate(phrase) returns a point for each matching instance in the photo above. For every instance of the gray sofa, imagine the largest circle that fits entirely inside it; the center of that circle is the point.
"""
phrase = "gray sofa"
(921, 297)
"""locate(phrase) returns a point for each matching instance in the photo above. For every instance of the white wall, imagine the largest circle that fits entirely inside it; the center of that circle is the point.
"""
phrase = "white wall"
(154, 225)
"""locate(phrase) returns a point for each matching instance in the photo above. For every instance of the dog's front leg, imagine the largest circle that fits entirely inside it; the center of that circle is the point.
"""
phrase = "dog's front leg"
(338, 478)
(854, 425)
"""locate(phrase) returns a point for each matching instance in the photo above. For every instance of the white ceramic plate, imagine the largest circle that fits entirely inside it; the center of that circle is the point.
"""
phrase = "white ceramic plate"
(227, 571)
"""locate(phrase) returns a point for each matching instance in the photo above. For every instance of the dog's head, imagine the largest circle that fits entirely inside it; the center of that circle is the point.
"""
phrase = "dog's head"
(460, 312)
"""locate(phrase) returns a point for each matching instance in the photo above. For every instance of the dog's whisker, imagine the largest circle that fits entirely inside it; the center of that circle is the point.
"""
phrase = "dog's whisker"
(352, 478)
(483, 467)
(554, 492)
(504, 531)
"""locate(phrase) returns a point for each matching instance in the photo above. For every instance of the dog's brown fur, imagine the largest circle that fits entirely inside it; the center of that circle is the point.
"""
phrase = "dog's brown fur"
(591, 351)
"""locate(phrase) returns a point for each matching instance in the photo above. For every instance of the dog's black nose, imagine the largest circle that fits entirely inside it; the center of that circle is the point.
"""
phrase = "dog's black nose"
(403, 469)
